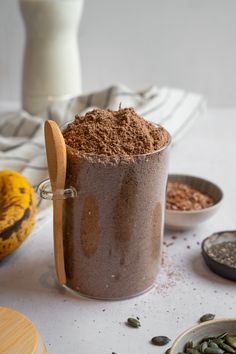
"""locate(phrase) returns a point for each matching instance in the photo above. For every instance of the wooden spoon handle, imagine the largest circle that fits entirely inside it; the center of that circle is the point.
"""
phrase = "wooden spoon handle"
(58, 240)
(56, 157)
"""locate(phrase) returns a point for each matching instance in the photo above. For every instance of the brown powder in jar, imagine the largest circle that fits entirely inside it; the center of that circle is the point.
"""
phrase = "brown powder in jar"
(114, 133)
(182, 197)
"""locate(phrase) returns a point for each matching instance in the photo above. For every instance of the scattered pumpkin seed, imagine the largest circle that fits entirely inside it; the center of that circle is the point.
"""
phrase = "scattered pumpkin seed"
(167, 351)
(230, 340)
(160, 340)
(207, 317)
(133, 322)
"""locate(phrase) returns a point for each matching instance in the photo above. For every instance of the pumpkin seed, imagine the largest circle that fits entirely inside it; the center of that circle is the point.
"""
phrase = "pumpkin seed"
(167, 351)
(230, 341)
(133, 322)
(227, 348)
(213, 345)
(203, 347)
(160, 340)
(207, 317)
(221, 336)
(222, 344)
(189, 344)
(219, 341)
(213, 351)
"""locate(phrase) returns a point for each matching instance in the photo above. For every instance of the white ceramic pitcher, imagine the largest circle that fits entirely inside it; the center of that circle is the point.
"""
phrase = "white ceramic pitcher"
(51, 68)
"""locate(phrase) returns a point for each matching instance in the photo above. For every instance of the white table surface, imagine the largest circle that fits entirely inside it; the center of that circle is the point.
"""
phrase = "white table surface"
(185, 288)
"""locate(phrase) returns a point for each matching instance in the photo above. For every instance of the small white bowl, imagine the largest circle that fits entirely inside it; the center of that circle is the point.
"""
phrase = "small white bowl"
(181, 220)
(205, 329)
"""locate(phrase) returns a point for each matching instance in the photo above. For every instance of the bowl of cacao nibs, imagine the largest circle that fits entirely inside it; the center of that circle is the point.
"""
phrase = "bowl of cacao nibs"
(209, 337)
(190, 201)
(219, 253)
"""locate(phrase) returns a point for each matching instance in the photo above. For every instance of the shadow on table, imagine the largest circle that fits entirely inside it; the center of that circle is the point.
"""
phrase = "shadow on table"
(34, 277)
(200, 268)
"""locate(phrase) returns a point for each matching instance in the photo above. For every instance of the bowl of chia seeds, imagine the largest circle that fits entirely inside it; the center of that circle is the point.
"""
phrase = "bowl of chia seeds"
(190, 201)
(219, 253)
(211, 337)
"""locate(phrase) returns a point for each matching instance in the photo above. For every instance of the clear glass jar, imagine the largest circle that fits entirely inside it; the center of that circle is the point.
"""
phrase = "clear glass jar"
(113, 218)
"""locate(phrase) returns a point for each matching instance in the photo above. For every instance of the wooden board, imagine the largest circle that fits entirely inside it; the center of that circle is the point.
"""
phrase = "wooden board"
(18, 334)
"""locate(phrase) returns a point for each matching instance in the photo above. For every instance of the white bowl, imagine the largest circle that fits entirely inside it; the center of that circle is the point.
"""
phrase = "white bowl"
(179, 220)
(205, 329)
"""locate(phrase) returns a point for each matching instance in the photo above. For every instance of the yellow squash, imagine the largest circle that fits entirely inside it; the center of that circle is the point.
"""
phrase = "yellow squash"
(17, 211)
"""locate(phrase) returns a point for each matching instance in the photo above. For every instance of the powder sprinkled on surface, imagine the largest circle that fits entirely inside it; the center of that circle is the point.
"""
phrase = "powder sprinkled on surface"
(170, 275)
(114, 133)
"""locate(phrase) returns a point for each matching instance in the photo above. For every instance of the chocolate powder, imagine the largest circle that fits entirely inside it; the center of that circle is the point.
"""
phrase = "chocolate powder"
(114, 133)
(113, 228)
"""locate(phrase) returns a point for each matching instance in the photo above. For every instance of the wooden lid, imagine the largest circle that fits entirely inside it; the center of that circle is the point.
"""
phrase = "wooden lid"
(18, 334)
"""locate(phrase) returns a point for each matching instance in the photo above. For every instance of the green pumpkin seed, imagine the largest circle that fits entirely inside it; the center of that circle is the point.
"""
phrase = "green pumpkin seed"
(227, 348)
(189, 344)
(219, 341)
(160, 340)
(167, 351)
(230, 341)
(192, 351)
(133, 322)
(213, 345)
(221, 336)
(207, 317)
(203, 347)
(213, 351)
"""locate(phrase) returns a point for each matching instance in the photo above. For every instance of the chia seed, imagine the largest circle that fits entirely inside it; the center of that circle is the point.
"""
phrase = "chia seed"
(224, 253)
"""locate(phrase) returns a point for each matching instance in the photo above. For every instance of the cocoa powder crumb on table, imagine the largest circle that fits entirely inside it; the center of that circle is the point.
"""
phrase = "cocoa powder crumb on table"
(182, 197)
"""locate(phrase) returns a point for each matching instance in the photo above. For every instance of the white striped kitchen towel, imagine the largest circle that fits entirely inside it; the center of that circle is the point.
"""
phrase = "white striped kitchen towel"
(22, 139)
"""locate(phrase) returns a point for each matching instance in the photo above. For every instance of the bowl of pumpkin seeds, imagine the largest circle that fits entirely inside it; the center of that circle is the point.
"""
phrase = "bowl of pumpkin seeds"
(209, 337)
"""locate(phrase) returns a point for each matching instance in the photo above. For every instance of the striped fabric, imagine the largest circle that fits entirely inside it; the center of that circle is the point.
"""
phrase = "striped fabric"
(21, 135)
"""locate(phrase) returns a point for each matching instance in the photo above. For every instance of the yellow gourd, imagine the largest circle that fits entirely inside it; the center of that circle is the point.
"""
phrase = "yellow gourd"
(17, 211)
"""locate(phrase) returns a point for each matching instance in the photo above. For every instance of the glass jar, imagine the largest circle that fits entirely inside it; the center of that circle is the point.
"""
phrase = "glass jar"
(113, 218)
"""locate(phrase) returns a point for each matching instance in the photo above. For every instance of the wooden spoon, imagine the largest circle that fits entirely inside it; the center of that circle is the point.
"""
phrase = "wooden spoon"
(56, 156)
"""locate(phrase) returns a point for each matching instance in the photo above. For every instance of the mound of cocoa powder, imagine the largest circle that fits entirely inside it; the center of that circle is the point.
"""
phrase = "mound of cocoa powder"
(114, 133)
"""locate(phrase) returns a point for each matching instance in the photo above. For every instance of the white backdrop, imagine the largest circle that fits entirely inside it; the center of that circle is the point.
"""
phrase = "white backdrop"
(181, 43)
